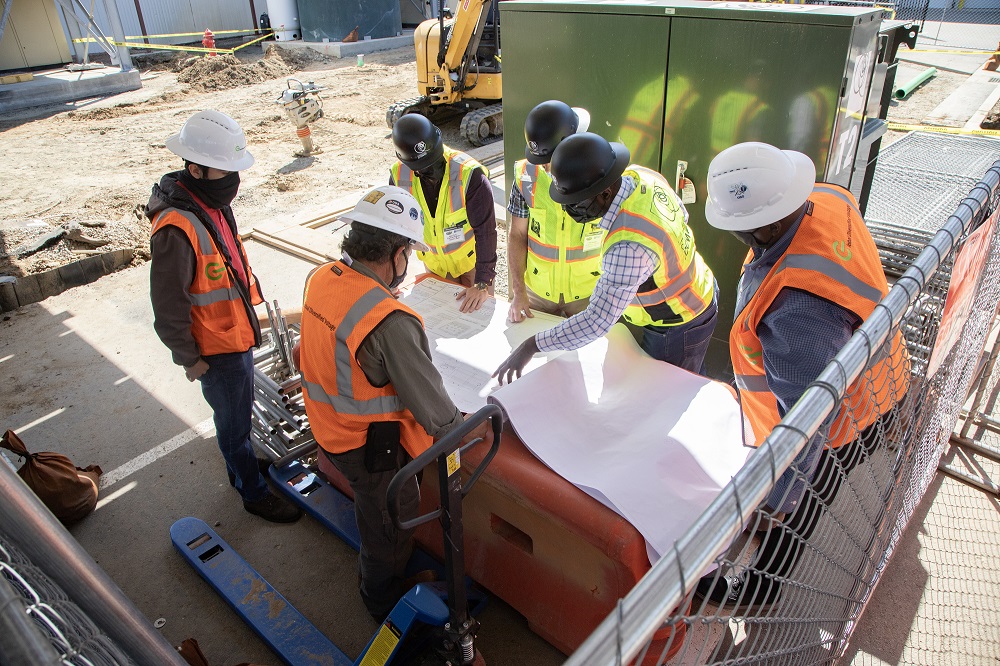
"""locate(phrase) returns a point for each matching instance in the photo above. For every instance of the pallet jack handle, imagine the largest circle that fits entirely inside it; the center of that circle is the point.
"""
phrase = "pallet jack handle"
(461, 628)
(440, 451)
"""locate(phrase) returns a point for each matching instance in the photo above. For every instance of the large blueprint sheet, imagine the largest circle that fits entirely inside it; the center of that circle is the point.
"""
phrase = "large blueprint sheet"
(468, 347)
(651, 441)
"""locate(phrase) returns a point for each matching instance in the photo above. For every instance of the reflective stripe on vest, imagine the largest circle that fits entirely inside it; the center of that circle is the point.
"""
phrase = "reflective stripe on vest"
(833, 257)
(557, 266)
(653, 217)
(458, 257)
(340, 310)
(220, 323)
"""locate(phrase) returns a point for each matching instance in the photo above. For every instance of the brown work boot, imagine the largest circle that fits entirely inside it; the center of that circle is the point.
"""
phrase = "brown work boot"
(274, 508)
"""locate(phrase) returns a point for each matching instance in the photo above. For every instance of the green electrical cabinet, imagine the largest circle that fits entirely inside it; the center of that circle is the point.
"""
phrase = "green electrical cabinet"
(682, 80)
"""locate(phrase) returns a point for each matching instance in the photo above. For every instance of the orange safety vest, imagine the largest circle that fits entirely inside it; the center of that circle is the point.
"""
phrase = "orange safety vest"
(833, 257)
(220, 317)
(341, 308)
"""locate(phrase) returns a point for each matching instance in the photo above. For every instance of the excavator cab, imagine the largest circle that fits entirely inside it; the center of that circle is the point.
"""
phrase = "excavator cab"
(458, 70)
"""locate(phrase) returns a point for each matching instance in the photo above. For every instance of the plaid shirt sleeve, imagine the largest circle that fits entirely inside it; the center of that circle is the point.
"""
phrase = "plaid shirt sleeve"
(516, 205)
(625, 266)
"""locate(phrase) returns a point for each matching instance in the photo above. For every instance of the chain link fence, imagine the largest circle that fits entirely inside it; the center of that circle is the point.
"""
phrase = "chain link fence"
(803, 582)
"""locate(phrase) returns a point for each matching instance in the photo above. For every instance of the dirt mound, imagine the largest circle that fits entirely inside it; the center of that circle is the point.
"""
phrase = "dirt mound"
(204, 73)
(225, 71)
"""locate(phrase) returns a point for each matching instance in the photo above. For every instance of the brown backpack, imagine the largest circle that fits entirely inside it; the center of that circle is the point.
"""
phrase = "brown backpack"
(67, 490)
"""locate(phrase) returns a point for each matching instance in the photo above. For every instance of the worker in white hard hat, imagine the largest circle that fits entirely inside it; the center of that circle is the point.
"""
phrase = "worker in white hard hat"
(374, 398)
(811, 277)
(203, 292)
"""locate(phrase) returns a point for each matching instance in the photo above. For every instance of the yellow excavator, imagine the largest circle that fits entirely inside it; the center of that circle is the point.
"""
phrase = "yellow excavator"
(458, 70)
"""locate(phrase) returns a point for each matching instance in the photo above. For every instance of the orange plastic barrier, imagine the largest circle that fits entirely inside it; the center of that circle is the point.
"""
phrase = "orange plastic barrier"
(555, 554)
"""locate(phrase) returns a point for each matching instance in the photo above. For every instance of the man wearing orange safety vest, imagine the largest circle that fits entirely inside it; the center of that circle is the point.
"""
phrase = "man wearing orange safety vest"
(456, 199)
(812, 276)
(373, 397)
(203, 292)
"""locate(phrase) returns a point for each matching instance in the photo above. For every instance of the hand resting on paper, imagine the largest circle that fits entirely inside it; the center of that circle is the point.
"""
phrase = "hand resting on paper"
(515, 363)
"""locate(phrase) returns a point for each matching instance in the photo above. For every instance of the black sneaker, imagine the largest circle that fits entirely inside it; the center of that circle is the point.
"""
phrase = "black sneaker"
(743, 593)
(274, 508)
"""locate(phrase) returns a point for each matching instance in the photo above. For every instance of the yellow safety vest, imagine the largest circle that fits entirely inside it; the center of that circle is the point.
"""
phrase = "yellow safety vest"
(447, 231)
(564, 256)
(682, 286)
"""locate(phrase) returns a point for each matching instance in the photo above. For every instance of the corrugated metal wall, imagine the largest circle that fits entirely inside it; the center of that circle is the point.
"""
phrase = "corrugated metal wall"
(162, 17)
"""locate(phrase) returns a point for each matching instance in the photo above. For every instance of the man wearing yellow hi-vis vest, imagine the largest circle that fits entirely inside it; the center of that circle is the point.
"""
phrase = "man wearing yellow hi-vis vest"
(456, 199)
(812, 276)
(553, 262)
(651, 272)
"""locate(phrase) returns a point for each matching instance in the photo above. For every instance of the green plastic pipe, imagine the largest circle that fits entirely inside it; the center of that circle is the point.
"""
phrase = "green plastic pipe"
(914, 83)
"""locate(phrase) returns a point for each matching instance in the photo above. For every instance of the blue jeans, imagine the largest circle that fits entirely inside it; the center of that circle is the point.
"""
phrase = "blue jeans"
(684, 345)
(228, 388)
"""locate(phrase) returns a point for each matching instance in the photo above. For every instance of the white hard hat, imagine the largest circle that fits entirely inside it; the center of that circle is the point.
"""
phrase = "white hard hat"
(582, 119)
(212, 139)
(393, 209)
(751, 185)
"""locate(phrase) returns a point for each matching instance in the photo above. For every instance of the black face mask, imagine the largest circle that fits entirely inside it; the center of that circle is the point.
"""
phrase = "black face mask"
(398, 279)
(586, 210)
(748, 238)
(433, 173)
(217, 193)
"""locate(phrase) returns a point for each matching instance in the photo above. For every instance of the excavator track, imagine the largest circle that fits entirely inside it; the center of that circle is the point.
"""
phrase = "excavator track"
(483, 126)
(421, 105)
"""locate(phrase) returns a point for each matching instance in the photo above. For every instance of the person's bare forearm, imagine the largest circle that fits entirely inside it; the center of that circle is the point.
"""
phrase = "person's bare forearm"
(517, 255)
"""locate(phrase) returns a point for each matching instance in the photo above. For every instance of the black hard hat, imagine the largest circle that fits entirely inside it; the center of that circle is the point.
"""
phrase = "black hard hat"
(418, 141)
(547, 125)
(584, 165)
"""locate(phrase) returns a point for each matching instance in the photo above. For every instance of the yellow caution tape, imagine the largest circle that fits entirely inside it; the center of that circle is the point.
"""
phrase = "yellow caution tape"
(192, 34)
(266, 33)
(965, 51)
(899, 127)
(168, 47)
(252, 41)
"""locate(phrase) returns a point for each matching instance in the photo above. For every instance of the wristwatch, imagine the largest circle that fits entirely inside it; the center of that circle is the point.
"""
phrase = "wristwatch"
(481, 286)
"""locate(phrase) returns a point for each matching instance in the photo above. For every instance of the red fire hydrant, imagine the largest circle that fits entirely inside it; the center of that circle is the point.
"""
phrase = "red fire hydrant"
(208, 41)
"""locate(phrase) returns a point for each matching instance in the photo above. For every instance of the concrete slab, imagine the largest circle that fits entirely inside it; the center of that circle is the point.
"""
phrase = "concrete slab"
(61, 86)
(349, 49)
(964, 102)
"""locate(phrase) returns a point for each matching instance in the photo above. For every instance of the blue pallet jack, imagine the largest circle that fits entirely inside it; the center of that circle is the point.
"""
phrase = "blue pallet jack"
(439, 618)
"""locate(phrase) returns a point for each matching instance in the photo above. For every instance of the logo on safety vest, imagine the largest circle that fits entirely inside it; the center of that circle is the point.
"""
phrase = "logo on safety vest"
(536, 228)
(665, 204)
(214, 271)
(841, 250)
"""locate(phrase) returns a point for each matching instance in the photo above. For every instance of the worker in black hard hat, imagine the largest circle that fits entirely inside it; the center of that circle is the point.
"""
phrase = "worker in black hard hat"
(553, 263)
(651, 272)
(456, 198)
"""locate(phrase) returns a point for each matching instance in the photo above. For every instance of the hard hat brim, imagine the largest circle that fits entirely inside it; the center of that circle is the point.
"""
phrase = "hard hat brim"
(622, 159)
(174, 145)
(378, 223)
(536, 159)
(803, 182)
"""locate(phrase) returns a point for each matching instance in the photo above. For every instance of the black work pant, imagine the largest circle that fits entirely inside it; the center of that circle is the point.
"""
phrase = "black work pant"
(385, 549)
